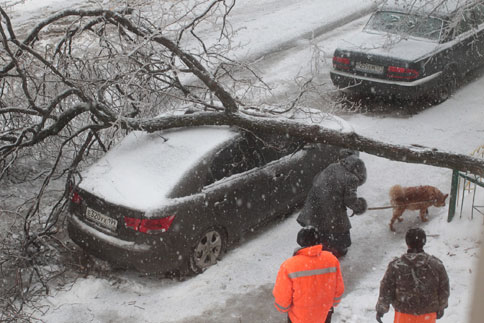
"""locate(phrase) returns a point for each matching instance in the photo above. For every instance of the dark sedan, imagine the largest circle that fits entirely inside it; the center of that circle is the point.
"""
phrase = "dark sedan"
(413, 49)
(174, 200)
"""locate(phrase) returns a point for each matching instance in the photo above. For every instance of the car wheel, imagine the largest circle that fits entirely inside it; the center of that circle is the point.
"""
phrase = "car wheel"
(446, 87)
(208, 249)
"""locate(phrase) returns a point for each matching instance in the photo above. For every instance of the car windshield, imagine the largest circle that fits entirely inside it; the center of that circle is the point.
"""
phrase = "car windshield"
(406, 24)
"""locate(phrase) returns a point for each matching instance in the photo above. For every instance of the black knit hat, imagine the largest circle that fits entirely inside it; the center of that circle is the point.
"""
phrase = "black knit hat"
(415, 238)
(308, 236)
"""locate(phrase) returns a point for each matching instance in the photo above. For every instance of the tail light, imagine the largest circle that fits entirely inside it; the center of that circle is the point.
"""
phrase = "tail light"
(148, 225)
(396, 72)
(341, 63)
(76, 198)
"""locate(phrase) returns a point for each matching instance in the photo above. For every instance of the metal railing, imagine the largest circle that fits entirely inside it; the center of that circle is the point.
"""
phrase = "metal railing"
(474, 179)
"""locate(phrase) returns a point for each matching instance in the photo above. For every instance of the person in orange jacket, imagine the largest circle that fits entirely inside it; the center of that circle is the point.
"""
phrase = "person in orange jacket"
(309, 284)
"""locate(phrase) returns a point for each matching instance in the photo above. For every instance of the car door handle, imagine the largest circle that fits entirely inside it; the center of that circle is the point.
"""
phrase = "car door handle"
(283, 175)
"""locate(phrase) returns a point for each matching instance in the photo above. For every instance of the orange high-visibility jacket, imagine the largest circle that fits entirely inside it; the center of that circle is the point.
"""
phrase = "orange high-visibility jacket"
(308, 285)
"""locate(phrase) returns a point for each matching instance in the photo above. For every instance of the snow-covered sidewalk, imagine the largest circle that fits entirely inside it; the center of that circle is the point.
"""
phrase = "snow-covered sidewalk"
(260, 26)
(270, 25)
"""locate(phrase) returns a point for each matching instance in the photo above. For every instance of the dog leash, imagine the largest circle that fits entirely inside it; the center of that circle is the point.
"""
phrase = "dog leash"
(391, 207)
(380, 208)
(374, 208)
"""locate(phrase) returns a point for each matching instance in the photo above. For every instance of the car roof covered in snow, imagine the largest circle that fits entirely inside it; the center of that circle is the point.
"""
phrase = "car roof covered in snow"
(141, 171)
(442, 8)
(143, 168)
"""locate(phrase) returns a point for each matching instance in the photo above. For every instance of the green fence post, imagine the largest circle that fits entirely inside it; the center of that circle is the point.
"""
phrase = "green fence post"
(453, 194)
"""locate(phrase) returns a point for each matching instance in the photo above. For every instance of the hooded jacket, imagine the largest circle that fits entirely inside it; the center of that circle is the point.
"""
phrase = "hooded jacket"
(308, 285)
(333, 190)
(416, 283)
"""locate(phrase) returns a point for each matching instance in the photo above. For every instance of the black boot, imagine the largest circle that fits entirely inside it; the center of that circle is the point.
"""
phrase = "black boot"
(330, 313)
(341, 253)
(338, 253)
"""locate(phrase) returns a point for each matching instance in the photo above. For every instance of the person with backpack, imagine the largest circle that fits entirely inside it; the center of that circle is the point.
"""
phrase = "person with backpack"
(415, 284)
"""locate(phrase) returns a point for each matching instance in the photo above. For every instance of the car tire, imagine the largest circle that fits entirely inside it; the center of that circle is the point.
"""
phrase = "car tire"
(207, 251)
(446, 87)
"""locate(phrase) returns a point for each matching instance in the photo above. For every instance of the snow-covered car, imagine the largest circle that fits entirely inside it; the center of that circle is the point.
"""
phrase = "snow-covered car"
(410, 49)
(174, 200)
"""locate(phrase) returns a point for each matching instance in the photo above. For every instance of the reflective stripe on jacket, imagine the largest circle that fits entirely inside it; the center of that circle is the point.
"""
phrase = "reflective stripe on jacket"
(308, 285)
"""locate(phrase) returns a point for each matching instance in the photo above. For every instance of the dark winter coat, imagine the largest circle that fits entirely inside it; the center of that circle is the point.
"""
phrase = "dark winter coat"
(415, 283)
(333, 190)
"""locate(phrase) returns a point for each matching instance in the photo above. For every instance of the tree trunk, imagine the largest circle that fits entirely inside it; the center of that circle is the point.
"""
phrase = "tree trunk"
(315, 133)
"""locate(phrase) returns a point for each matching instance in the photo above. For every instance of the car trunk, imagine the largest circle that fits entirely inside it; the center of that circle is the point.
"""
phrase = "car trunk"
(376, 66)
(102, 215)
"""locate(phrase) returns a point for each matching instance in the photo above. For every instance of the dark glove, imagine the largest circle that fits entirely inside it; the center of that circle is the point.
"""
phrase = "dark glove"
(440, 314)
(361, 206)
(379, 315)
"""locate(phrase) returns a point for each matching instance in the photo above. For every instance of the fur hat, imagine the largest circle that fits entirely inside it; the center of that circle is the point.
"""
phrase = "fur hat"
(355, 166)
(343, 153)
(415, 238)
(308, 236)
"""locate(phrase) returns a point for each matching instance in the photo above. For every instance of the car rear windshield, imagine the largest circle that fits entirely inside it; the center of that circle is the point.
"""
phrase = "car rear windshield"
(406, 24)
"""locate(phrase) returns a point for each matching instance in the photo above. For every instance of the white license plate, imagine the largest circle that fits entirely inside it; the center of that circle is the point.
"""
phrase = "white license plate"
(101, 219)
(369, 68)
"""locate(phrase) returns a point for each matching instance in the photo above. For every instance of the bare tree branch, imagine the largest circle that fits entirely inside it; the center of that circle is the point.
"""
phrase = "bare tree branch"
(314, 133)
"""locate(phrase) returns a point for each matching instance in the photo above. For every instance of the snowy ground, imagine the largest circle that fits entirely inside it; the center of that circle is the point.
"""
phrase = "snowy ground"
(238, 288)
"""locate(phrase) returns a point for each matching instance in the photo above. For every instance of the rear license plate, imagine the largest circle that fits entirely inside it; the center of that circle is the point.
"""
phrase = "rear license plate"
(101, 219)
(369, 68)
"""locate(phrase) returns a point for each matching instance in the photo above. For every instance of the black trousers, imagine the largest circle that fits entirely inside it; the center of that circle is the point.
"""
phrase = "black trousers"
(328, 318)
(336, 243)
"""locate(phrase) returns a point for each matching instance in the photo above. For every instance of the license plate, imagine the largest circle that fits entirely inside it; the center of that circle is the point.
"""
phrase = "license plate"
(101, 219)
(369, 68)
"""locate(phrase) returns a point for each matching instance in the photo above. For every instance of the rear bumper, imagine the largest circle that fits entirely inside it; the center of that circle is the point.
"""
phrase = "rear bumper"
(157, 257)
(404, 90)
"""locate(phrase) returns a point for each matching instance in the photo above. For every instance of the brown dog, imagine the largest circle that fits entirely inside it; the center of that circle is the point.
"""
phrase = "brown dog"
(414, 198)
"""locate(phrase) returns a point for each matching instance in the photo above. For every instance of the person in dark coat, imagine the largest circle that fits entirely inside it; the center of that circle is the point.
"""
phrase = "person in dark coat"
(334, 189)
(416, 284)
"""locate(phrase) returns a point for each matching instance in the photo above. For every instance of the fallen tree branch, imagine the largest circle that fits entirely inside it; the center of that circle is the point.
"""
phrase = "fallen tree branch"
(312, 133)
